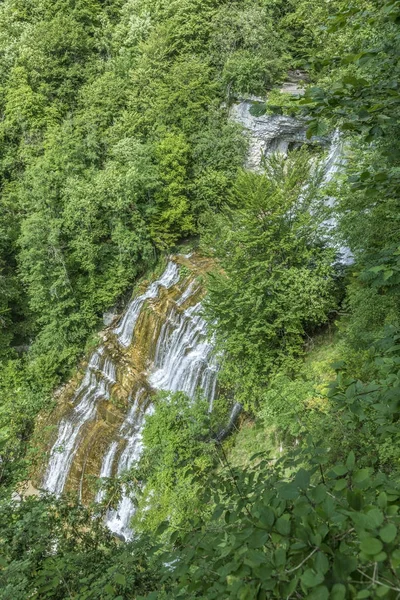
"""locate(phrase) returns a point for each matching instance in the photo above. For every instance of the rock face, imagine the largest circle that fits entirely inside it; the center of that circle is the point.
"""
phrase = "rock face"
(295, 83)
(109, 318)
(270, 133)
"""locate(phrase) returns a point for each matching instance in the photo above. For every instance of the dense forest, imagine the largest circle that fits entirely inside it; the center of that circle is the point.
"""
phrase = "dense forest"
(118, 149)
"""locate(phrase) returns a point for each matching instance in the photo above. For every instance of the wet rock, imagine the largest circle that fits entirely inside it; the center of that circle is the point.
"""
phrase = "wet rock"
(109, 318)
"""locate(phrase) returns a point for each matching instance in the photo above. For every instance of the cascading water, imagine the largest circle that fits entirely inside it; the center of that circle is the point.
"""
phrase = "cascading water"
(183, 362)
(125, 330)
(131, 432)
(183, 354)
(161, 343)
(99, 377)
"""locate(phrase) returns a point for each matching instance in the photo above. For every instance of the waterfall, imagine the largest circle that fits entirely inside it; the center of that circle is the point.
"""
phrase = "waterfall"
(131, 430)
(99, 377)
(183, 362)
(334, 160)
(183, 354)
(170, 350)
(125, 330)
(333, 164)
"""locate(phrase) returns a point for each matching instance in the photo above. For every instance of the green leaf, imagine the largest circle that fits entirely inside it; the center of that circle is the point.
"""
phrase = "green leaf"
(340, 470)
(280, 557)
(375, 517)
(258, 539)
(320, 593)
(361, 475)
(396, 558)
(381, 557)
(120, 579)
(377, 268)
(317, 128)
(288, 492)
(338, 592)
(108, 588)
(388, 533)
(343, 565)
(355, 499)
(340, 485)
(388, 274)
(267, 516)
(382, 500)
(363, 594)
(283, 525)
(321, 563)
(311, 579)
(319, 493)
(381, 592)
(162, 527)
(351, 461)
(302, 479)
(371, 546)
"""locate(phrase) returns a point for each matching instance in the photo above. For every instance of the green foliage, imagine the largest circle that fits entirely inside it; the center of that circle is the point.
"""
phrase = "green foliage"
(358, 92)
(172, 217)
(277, 275)
(48, 551)
(296, 536)
(115, 141)
(177, 447)
(20, 403)
(248, 48)
(312, 523)
(80, 83)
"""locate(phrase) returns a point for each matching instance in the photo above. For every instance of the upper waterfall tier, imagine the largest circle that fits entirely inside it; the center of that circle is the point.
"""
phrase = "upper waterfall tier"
(161, 342)
(125, 329)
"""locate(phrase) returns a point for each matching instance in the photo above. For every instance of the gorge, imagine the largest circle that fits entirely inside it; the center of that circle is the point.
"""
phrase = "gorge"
(161, 342)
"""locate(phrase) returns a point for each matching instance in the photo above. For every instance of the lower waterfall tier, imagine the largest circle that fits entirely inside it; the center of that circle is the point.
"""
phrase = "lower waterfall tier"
(160, 343)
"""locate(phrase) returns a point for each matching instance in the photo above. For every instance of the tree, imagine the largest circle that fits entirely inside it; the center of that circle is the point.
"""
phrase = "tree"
(178, 446)
(172, 217)
(48, 551)
(276, 279)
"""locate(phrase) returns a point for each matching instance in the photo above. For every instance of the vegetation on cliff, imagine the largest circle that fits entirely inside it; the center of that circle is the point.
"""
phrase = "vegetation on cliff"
(115, 146)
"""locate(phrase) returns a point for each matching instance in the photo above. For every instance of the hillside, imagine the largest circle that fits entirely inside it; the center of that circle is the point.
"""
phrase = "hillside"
(199, 299)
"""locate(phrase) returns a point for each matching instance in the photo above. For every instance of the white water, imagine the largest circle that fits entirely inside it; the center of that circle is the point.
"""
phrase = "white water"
(183, 362)
(183, 354)
(99, 377)
(106, 467)
(131, 431)
(334, 161)
(126, 328)
(333, 165)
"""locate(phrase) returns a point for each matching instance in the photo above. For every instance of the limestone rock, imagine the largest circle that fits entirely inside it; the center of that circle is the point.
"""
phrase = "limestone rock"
(109, 318)
(270, 133)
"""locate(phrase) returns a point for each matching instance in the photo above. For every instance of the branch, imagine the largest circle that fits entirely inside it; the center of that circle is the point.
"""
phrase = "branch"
(378, 582)
(303, 561)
